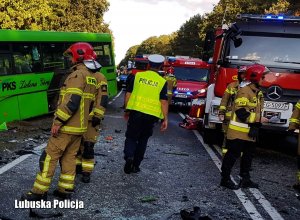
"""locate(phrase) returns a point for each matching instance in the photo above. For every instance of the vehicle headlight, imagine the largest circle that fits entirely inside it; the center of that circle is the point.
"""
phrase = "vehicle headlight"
(201, 90)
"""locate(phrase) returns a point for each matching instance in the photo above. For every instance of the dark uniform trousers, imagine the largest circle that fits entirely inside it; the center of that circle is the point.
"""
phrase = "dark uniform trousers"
(235, 148)
(139, 129)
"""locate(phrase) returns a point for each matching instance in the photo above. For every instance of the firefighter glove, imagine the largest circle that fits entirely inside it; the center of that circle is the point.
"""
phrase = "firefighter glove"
(242, 114)
(95, 121)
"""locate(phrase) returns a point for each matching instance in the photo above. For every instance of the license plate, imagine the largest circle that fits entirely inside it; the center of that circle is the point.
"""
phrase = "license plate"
(276, 105)
(181, 96)
(198, 101)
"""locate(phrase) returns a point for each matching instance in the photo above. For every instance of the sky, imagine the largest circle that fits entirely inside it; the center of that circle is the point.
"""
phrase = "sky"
(133, 21)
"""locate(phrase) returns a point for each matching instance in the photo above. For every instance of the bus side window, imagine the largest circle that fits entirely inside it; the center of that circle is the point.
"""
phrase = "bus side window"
(26, 57)
(5, 64)
(53, 56)
(103, 54)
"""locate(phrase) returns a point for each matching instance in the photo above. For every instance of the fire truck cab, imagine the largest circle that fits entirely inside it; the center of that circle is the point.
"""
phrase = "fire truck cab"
(192, 76)
(140, 63)
(270, 40)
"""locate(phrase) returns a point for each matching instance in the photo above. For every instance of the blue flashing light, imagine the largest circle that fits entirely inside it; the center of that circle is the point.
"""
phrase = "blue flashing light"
(269, 16)
(171, 59)
(175, 92)
(280, 17)
(188, 93)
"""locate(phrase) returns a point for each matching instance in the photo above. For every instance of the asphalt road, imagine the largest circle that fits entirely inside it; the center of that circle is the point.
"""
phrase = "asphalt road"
(178, 172)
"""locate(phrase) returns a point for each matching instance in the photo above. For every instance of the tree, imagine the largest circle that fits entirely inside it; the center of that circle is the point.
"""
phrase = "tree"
(130, 54)
(156, 45)
(63, 15)
(279, 7)
(187, 42)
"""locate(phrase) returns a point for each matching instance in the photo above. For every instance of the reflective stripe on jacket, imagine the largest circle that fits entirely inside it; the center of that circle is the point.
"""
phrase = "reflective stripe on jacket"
(250, 98)
(295, 118)
(171, 82)
(227, 100)
(82, 84)
(145, 96)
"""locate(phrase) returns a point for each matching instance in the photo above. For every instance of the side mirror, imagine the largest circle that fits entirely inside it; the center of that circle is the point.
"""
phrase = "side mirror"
(237, 42)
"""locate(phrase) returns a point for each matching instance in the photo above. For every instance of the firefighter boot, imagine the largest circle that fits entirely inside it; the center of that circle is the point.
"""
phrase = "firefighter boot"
(228, 183)
(248, 183)
(128, 166)
(86, 177)
(30, 196)
(62, 195)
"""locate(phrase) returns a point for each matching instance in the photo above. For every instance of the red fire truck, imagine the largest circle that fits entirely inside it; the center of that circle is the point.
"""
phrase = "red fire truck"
(270, 40)
(193, 76)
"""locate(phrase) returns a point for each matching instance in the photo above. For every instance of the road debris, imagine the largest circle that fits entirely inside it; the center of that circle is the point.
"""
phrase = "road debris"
(177, 153)
(148, 199)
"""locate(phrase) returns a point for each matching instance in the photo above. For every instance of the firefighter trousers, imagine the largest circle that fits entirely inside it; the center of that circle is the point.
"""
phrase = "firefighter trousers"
(139, 130)
(62, 148)
(85, 155)
(235, 148)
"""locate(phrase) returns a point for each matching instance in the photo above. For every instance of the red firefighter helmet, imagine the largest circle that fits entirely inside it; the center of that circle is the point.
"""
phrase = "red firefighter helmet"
(81, 51)
(255, 72)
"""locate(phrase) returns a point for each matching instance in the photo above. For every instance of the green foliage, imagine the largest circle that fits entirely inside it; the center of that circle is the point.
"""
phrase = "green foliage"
(63, 15)
(279, 7)
(187, 41)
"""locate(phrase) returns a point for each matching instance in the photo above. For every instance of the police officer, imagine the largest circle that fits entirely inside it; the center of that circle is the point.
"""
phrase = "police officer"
(146, 103)
(295, 124)
(227, 102)
(69, 124)
(85, 156)
(171, 83)
(243, 128)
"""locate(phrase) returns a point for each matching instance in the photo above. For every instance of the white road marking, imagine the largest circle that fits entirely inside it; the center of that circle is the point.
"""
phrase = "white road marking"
(20, 159)
(260, 197)
(252, 211)
(114, 99)
(24, 157)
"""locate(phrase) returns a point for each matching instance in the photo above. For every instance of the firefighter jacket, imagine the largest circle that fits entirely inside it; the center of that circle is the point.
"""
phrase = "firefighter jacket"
(248, 101)
(145, 96)
(295, 119)
(171, 83)
(76, 95)
(98, 106)
(227, 100)
(295, 124)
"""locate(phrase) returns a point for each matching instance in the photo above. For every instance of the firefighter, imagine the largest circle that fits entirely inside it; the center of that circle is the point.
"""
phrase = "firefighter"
(69, 124)
(171, 83)
(243, 127)
(85, 157)
(146, 103)
(295, 124)
(227, 102)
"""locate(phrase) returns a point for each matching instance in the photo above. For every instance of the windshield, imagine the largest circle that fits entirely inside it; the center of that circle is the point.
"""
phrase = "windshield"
(191, 74)
(271, 51)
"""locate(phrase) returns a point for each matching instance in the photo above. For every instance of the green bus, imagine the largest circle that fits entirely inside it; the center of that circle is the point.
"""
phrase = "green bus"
(32, 69)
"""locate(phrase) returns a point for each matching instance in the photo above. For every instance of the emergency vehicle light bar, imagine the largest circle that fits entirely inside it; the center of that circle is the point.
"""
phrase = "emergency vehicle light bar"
(268, 17)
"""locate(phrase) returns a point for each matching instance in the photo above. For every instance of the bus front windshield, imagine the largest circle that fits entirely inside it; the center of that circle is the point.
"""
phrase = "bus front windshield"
(273, 51)
(191, 74)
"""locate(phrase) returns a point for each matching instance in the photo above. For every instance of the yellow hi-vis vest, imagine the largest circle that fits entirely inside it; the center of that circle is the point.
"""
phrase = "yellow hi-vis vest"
(145, 96)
